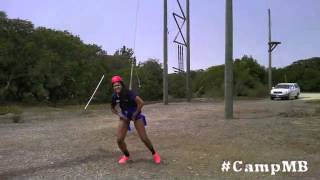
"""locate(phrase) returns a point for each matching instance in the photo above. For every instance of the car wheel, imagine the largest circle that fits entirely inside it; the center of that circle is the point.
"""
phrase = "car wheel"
(271, 98)
(297, 96)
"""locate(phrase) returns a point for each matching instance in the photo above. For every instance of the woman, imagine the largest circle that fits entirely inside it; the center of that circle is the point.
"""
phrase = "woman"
(130, 105)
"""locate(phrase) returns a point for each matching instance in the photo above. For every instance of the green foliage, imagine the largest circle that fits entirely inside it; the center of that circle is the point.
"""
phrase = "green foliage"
(124, 51)
(3, 14)
(305, 72)
(45, 65)
(14, 111)
(209, 83)
(177, 85)
(50, 66)
(249, 78)
(150, 74)
(10, 109)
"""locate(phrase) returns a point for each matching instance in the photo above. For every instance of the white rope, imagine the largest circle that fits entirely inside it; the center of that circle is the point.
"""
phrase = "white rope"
(94, 92)
(139, 83)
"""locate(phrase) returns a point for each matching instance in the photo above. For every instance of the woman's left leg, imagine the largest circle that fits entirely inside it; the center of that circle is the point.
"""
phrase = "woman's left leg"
(139, 125)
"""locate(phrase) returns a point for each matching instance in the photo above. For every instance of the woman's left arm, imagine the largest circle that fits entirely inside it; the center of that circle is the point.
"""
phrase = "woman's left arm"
(140, 103)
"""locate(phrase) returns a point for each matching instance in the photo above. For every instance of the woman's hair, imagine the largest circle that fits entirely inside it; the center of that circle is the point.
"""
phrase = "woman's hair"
(124, 91)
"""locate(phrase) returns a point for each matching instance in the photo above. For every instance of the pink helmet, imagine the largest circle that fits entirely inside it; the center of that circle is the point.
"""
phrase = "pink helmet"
(116, 79)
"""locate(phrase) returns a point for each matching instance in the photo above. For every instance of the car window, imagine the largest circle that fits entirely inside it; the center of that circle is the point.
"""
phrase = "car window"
(282, 86)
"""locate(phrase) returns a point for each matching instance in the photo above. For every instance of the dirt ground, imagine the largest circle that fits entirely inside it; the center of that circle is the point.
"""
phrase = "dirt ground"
(193, 139)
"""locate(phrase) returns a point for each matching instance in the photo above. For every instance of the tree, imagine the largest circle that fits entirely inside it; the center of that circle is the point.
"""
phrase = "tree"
(250, 77)
(305, 72)
(124, 51)
(47, 65)
(3, 14)
(151, 79)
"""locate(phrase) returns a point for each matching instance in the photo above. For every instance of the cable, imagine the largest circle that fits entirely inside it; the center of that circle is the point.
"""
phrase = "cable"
(134, 43)
(136, 25)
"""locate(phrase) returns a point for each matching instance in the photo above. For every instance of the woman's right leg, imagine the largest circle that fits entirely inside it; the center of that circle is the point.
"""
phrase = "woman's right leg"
(121, 135)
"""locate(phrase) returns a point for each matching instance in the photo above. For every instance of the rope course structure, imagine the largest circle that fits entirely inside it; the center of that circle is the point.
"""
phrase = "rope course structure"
(180, 33)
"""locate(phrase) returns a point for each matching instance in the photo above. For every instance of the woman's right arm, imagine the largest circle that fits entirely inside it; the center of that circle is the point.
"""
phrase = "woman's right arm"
(113, 105)
(114, 111)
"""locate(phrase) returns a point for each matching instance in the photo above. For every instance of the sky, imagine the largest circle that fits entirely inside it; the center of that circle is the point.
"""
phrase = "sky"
(112, 24)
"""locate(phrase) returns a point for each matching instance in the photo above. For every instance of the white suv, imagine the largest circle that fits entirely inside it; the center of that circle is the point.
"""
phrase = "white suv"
(285, 91)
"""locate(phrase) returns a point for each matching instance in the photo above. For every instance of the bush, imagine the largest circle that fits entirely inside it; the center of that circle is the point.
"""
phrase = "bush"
(14, 110)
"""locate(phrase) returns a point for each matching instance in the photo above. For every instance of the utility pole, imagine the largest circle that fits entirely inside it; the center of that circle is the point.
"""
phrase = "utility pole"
(270, 55)
(131, 72)
(165, 52)
(271, 46)
(228, 73)
(188, 83)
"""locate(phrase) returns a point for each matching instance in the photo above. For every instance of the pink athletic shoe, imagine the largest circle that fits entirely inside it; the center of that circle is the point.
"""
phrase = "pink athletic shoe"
(156, 158)
(123, 159)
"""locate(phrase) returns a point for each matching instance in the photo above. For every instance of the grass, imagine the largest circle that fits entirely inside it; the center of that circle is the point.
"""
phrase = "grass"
(315, 101)
(10, 109)
(15, 110)
(4, 110)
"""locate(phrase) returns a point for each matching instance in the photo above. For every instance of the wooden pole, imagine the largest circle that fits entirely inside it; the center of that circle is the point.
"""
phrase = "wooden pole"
(270, 53)
(228, 80)
(165, 52)
(188, 82)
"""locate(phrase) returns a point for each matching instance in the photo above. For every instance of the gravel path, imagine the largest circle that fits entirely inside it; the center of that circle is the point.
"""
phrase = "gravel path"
(193, 139)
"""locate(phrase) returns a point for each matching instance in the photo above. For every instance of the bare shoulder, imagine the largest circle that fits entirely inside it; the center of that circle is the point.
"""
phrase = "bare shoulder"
(139, 99)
